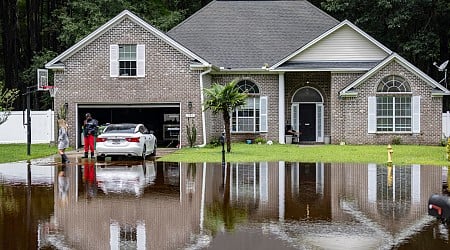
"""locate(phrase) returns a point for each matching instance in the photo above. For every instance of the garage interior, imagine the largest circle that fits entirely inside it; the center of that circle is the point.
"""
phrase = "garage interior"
(162, 119)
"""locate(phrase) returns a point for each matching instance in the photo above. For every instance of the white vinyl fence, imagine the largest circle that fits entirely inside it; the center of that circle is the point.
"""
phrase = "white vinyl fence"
(446, 125)
(42, 127)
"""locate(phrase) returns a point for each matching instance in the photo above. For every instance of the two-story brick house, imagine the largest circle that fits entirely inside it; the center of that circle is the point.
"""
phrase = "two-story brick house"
(328, 79)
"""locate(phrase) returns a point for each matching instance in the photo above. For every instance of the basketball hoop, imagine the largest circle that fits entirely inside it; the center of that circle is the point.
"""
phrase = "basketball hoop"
(51, 90)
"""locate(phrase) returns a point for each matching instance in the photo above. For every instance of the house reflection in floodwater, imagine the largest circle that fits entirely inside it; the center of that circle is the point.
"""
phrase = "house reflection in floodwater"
(179, 205)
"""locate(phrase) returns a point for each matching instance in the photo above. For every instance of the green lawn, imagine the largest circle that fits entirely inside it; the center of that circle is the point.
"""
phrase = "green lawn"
(18, 152)
(403, 154)
(240, 152)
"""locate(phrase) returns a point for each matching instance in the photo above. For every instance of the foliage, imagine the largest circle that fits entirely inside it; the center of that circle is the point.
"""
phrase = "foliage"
(260, 140)
(215, 142)
(28, 77)
(397, 140)
(7, 98)
(416, 29)
(62, 113)
(224, 99)
(191, 133)
(447, 149)
(403, 154)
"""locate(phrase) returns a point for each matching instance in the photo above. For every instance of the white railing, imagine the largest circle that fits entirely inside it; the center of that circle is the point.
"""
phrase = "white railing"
(42, 127)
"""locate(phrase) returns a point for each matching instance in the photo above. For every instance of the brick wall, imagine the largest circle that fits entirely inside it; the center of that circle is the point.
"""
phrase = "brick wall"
(349, 115)
(168, 79)
(268, 86)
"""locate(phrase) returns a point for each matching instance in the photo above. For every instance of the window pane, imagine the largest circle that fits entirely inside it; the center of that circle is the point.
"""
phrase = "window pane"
(403, 106)
(384, 124)
(394, 113)
(246, 118)
(403, 124)
(127, 60)
(384, 106)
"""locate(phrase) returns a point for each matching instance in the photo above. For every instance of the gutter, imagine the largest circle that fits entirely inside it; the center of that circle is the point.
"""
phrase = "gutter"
(201, 104)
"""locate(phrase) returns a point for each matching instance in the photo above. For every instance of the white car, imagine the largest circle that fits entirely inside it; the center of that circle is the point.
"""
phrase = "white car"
(125, 139)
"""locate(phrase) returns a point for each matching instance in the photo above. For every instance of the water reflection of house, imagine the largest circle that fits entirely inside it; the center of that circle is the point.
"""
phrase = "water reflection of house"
(388, 202)
(163, 217)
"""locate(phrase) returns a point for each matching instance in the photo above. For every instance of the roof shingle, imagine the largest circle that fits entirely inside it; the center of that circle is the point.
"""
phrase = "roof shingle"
(249, 34)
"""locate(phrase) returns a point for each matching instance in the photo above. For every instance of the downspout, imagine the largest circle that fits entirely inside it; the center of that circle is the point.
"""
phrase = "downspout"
(201, 104)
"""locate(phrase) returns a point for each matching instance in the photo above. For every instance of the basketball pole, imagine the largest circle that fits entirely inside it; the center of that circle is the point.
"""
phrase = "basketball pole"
(28, 122)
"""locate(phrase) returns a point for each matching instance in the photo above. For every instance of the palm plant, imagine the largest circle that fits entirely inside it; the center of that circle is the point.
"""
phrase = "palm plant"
(224, 99)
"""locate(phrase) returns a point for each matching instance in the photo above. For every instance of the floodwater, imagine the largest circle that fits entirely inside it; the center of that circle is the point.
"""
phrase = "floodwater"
(261, 205)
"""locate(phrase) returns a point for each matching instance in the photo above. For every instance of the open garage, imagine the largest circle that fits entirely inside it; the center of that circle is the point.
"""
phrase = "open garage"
(162, 119)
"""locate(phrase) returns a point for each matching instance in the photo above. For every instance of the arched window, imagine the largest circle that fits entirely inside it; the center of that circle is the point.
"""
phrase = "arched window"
(307, 95)
(247, 118)
(248, 86)
(394, 108)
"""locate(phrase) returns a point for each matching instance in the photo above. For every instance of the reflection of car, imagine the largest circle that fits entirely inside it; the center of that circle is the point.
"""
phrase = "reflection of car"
(126, 139)
(126, 179)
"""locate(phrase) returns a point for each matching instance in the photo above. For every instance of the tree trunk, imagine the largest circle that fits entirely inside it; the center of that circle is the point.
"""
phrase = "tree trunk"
(10, 42)
(226, 119)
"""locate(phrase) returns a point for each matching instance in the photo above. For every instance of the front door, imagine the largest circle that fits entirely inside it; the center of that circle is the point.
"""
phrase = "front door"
(307, 121)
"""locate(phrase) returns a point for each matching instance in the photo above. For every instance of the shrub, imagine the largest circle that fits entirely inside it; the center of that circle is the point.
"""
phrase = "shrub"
(215, 142)
(397, 140)
(260, 140)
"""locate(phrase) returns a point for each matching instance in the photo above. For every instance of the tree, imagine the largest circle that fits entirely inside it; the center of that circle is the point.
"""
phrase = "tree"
(7, 98)
(224, 99)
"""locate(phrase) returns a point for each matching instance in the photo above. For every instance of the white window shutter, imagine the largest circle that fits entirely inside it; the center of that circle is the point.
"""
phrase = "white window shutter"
(263, 114)
(114, 60)
(372, 114)
(140, 72)
(416, 114)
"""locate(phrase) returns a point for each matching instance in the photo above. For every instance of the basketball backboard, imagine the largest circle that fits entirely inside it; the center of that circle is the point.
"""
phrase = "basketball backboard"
(42, 79)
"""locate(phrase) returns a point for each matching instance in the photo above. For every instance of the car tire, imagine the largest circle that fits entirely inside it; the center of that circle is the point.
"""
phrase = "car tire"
(144, 152)
(154, 150)
(100, 158)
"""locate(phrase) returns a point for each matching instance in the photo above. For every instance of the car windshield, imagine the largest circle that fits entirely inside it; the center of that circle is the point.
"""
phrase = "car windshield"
(112, 129)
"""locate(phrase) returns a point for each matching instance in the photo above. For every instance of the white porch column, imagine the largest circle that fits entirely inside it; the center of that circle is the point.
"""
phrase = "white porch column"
(281, 108)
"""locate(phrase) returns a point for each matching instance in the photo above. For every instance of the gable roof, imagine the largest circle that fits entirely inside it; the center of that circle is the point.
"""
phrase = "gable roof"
(438, 89)
(330, 33)
(250, 34)
(56, 63)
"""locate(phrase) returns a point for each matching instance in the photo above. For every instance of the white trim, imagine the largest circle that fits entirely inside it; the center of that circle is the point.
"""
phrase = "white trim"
(397, 58)
(281, 108)
(326, 34)
(295, 114)
(105, 27)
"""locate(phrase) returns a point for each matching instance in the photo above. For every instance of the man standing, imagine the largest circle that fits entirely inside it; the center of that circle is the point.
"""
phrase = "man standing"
(90, 127)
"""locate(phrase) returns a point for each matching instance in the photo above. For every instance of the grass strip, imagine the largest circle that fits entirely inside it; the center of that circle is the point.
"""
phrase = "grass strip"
(240, 152)
(18, 152)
